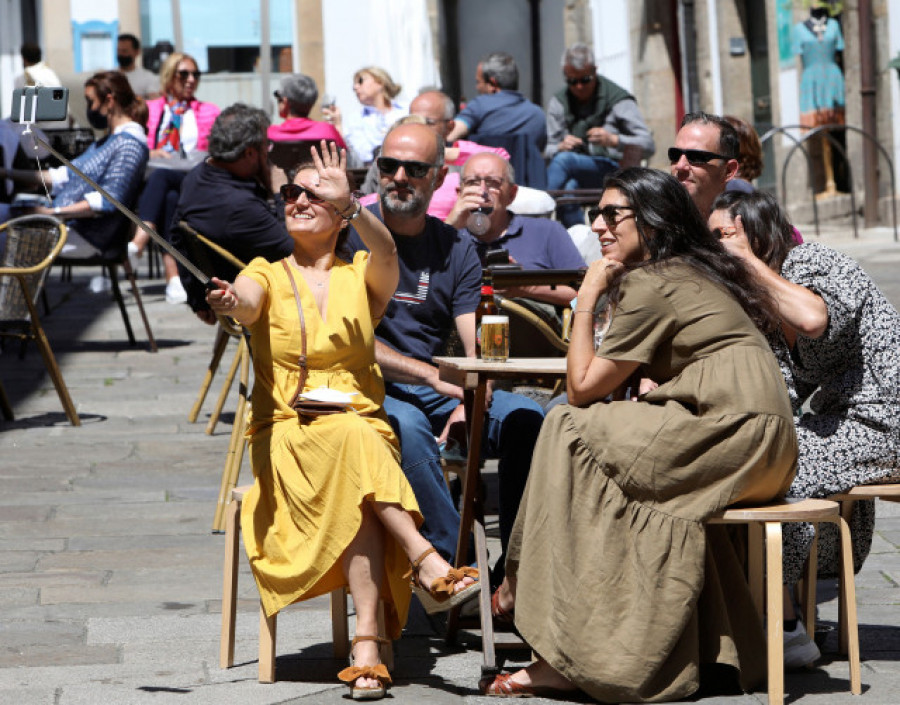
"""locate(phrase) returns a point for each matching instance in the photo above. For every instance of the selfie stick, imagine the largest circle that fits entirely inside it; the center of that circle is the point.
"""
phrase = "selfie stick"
(157, 238)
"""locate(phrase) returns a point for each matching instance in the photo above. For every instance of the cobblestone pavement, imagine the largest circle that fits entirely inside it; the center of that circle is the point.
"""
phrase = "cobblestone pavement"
(110, 578)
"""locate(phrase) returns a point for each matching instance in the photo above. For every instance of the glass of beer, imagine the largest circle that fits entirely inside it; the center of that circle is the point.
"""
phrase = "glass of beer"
(495, 338)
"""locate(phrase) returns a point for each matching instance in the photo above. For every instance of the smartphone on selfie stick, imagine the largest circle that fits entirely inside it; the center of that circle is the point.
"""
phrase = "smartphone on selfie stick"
(47, 104)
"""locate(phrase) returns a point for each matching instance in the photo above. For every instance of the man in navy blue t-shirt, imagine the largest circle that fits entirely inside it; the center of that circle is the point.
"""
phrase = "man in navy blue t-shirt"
(499, 107)
(439, 290)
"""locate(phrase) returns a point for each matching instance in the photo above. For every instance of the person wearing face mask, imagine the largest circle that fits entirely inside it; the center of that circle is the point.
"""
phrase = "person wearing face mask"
(116, 162)
(178, 131)
(143, 82)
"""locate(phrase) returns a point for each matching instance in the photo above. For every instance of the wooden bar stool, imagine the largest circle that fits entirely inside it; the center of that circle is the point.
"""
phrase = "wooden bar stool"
(846, 500)
(765, 575)
(267, 625)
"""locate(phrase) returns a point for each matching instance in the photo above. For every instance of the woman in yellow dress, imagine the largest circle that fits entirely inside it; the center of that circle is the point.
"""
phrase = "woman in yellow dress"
(330, 506)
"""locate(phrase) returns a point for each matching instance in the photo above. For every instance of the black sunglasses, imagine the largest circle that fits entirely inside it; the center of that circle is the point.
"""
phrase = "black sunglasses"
(580, 80)
(291, 194)
(694, 156)
(610, 214)
(184, 73)
(414, 170)
(277, 95)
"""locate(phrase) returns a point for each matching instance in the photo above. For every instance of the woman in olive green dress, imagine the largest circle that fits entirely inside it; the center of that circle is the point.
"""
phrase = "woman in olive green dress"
(612, 576)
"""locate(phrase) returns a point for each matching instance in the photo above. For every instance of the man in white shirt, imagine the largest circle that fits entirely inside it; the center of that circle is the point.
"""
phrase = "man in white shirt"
(37, 73)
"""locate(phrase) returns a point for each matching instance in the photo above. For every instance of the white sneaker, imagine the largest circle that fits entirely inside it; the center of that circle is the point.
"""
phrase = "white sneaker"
(175, 293)
(99, 284)
(134, 256)
(799, 649)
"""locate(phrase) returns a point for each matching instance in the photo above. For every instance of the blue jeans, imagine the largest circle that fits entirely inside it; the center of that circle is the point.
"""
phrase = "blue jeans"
(418, 413)
(571, 170)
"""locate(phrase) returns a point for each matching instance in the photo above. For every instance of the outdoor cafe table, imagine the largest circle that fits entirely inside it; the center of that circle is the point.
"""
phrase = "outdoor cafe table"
(472, 375)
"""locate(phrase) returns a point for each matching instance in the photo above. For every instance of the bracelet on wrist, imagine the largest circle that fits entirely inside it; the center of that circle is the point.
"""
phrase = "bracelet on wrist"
(583, 310)
(355, 206)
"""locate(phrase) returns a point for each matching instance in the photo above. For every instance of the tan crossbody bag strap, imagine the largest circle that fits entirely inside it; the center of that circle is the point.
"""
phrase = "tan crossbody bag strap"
(301, 361)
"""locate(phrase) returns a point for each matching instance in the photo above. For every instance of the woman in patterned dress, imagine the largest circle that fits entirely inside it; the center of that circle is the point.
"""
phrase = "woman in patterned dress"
(839, 351)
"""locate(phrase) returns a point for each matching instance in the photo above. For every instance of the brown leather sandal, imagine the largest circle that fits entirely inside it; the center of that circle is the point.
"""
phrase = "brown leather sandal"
(441, 595)
(377, 672)
(500, 615)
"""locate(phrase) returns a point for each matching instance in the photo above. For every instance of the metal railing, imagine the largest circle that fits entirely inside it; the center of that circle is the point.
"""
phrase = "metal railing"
(826, 131)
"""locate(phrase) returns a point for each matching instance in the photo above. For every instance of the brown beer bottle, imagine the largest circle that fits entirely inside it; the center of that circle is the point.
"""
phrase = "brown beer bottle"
(486, 307)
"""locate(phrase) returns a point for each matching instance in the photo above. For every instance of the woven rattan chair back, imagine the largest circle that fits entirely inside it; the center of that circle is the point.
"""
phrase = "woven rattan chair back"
(32, 243)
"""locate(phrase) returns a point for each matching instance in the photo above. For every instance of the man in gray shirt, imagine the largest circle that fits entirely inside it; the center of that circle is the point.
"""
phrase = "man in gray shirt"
(143, 82)
(591, 125)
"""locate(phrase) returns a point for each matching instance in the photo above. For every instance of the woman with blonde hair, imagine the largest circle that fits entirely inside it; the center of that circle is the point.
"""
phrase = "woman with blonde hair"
(178, 126)
(365, 132)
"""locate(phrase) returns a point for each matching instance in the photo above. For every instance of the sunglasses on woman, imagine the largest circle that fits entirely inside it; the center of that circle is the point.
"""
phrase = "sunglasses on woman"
(414, 170)
(291, 194)
(610, 214)
(184, 74)
(579, 80)
(694, 156)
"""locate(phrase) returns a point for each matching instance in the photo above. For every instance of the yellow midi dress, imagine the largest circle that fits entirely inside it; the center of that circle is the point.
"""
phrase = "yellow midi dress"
(312, 475)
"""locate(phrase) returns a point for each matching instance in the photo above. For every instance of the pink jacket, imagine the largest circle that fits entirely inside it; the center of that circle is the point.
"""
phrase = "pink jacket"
(204, 113)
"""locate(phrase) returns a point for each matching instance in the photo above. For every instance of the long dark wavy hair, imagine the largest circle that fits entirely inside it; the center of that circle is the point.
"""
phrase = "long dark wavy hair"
(670, 226)
(770, 233)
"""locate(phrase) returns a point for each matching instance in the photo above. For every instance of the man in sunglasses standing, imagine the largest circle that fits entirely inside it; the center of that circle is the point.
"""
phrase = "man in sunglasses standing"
(593, 124)
(439, 290)
(704, 157)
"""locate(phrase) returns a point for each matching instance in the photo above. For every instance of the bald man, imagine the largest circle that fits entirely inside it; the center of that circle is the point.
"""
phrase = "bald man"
(439, 290)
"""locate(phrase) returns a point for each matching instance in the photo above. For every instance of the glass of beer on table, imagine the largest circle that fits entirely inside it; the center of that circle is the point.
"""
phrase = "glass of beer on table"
(495, 338)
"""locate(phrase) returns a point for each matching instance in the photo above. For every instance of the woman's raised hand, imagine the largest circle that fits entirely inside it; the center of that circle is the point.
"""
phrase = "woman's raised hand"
(736, 242)
(331, 167)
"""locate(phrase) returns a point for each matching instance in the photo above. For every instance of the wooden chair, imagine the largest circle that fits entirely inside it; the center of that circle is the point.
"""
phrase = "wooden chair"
(199, 249)
(847, 633)
(267, 625)
(110, 262)
(32, 244)
(208, 256)
(765, 575)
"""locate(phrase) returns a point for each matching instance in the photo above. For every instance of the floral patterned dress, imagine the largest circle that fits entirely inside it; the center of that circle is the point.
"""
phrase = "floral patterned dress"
(845, 391)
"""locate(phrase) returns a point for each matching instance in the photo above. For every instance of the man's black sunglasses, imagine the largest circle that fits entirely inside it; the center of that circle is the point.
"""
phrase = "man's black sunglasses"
(579, 80)
(291, 194)
(694, 156)
(414, 170)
